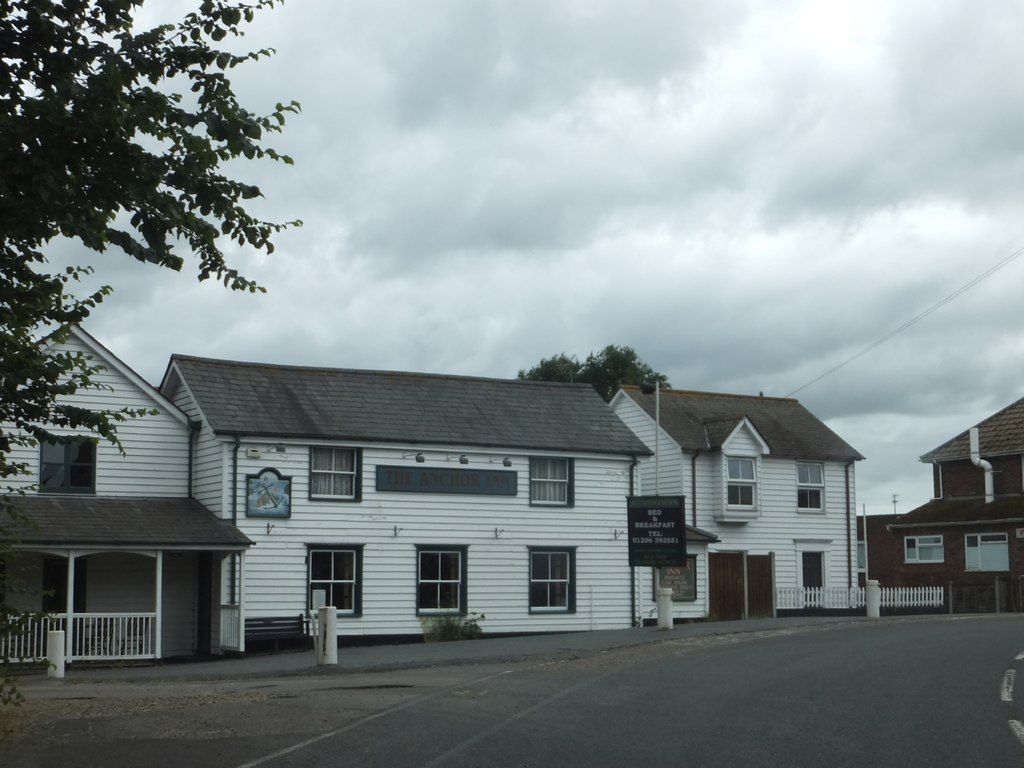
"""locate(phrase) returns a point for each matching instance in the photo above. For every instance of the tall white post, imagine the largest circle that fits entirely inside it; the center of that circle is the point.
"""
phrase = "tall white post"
(159, 623)
(241, 601)
(864, 528)
(69, 608)
(657, 438)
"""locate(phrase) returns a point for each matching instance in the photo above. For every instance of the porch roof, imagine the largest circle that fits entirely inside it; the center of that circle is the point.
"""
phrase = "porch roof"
(699, 536)
(122, 522)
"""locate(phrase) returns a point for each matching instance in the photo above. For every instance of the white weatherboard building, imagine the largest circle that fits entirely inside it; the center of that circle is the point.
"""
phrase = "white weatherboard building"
(400, 496)
(116, 553)
(250, 494)
(771, 481)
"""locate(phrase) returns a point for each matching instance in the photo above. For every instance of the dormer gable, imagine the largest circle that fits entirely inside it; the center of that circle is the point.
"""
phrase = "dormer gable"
(744, 439)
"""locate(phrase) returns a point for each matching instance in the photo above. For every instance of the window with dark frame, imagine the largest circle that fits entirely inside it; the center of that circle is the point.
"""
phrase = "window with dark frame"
(334, 473)
(335, 573)
(552, 580)
(742, 483)
(68, 467)
(441, 580)
(810, 485)
(551, 481)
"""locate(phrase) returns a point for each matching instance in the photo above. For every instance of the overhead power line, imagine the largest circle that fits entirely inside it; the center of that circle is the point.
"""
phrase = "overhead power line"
(914, 320)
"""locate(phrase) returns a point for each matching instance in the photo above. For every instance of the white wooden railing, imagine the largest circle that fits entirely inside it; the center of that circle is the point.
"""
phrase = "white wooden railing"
(790, 598)
(94, 637)
(29, 644)
(230, 636)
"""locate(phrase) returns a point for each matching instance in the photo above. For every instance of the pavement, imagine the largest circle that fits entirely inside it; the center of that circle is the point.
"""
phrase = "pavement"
(390, 657)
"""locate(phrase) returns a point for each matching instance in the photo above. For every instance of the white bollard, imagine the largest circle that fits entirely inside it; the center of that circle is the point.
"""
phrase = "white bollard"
(55, 653)
(873, 598)
(328, 645)
(664, 607)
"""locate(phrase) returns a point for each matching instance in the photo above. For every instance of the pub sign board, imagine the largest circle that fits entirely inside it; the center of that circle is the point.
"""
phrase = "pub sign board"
(657, 531)
(479, 482)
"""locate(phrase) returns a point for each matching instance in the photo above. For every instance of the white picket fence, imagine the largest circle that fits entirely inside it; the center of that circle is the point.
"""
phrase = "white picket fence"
(230, 634)
(796, 598)
(94, 637)
(913, 597)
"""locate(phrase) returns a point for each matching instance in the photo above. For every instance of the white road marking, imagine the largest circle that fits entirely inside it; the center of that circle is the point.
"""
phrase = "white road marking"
(1019, 656)
(363, 721)
(1006, 689)
(1018, 730)
(523, 713)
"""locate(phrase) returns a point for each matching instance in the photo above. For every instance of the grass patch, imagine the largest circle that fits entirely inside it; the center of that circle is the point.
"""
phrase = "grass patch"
(448, 626)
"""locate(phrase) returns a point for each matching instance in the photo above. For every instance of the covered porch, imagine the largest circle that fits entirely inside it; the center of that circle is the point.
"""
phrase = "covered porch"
(125, 579)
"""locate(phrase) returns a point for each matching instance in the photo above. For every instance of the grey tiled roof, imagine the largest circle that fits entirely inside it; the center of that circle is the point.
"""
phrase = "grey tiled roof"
(703, 421)
(700, 536)
(410, 408)
(946, 511)
(94, 520)
(1000, 434)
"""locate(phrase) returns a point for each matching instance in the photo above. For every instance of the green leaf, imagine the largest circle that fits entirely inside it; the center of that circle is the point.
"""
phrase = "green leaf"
(121, 140)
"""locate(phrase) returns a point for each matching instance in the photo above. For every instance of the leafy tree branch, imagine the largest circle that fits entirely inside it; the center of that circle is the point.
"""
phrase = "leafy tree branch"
(114, 138)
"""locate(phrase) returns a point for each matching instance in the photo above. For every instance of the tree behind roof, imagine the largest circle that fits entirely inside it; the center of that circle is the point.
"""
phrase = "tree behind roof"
(605, 371)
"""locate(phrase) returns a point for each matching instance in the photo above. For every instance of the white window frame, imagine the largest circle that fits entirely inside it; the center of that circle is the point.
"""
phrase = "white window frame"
(546, 490)
(916, 543)
(740, 481)
(333, 471)
(979, 546)
(805, 485)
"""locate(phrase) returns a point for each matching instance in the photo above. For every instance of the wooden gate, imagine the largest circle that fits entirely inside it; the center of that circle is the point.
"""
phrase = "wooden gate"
(725, 585)
(737, 592)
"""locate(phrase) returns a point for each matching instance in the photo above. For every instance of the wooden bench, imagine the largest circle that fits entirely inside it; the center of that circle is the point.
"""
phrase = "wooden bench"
(266, 629)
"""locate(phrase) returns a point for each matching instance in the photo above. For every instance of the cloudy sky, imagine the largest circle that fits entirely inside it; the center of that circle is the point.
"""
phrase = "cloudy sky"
(748, 194)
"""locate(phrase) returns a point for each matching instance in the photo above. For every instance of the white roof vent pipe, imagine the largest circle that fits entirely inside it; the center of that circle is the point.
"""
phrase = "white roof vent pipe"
(982, 465)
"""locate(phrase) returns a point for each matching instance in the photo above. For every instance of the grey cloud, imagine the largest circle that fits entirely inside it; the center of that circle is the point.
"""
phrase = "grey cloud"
(487, 184)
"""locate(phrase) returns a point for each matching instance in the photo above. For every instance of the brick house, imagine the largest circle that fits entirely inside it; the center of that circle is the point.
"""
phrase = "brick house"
(969, 538)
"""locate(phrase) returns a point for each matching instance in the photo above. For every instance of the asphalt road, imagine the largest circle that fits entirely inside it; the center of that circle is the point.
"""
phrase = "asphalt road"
(924, 692)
